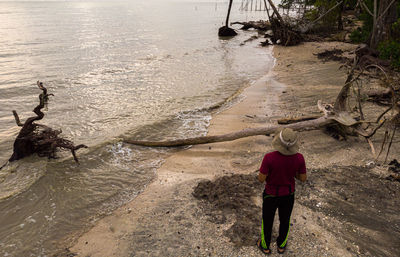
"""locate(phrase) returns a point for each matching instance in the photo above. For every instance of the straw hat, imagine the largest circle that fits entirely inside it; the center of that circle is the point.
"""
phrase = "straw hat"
(285, 142)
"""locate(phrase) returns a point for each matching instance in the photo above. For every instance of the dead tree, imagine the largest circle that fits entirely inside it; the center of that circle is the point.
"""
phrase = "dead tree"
(38, 138)
(225, 31)
(283, 31)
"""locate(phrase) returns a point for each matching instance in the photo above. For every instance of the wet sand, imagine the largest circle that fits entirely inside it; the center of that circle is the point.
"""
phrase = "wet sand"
(346, 208)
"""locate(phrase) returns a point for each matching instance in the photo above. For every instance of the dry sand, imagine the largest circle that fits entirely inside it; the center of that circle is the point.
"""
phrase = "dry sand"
(346, 208)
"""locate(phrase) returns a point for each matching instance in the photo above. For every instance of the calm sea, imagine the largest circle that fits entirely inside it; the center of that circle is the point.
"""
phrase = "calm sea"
(151, 69)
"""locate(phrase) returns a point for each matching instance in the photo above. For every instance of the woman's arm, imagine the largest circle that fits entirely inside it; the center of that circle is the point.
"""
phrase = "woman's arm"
(302, 177)
(262, 177)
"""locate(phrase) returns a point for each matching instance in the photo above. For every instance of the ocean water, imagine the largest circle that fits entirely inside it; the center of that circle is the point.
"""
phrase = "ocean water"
(152, 69)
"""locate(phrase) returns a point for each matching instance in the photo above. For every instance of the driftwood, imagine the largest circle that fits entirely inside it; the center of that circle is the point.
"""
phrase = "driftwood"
(258, 25)
(300, 126)
(38, 138)
(297, 119)
(284, 34)
(329, 118)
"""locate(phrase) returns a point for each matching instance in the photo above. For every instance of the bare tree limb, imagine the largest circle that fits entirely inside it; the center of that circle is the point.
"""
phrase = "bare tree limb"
(363, 133)
(390, 144)
(383, 113)
(359, 102)
(276, 11)
(17, 120)
(323, 15)
(385, 11)
(382, 145)
(371, 145)
(366, 7)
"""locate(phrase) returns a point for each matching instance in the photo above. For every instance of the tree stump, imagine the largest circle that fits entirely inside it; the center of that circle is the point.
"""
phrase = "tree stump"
(226, 32)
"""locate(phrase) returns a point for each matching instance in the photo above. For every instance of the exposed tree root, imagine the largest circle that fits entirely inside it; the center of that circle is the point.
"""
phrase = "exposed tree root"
(284, 34)
(38, 138)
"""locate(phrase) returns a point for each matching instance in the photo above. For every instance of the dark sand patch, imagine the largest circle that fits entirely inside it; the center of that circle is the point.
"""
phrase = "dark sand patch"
(233, 195)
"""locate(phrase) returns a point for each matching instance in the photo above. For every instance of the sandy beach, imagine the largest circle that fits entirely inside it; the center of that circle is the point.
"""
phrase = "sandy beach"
(347, 208)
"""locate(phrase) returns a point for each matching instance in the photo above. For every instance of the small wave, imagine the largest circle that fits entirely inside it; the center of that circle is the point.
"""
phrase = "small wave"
(188, 123)
(19, 176)
(11, 55)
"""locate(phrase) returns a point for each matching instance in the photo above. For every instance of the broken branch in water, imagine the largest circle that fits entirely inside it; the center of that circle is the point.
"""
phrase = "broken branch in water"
(38, 138)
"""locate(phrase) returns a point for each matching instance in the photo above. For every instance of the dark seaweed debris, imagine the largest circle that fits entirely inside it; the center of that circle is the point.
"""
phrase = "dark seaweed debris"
(332, 55)
(233, 195)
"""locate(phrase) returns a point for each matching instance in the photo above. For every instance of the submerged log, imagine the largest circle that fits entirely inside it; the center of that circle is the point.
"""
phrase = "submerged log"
(38, 138)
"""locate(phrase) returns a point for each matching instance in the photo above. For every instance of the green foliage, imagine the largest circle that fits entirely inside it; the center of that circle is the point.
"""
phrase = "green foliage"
(396, 30)
(390, 50)
(361, 35)
(323, 6)
(312, 14)
(350, 4)
(289, 3)
(320, 8)
(286, 3)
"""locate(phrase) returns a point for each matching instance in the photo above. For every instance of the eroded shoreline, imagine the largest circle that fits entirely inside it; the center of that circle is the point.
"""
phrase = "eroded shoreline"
(166, 219)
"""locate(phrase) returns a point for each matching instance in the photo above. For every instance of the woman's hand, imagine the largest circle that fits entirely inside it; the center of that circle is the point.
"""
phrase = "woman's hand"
(262, 177)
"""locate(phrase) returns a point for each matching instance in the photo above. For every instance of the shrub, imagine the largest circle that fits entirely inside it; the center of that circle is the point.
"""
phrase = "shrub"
(359, 35)
(396, 30)
(390, 50)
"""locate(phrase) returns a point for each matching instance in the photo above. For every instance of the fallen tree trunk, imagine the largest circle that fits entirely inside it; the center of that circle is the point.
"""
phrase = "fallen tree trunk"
(299, 126)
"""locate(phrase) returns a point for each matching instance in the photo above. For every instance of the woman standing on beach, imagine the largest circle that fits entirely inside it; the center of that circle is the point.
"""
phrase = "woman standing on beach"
(278, 169)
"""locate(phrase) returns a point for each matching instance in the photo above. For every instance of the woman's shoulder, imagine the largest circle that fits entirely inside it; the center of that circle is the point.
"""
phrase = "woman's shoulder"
(299, 156)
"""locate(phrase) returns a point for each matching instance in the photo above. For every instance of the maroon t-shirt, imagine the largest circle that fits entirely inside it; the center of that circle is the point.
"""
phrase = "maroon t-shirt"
(281, 171)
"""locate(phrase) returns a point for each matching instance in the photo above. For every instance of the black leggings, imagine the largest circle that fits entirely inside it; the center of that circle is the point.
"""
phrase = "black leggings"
(284, 204)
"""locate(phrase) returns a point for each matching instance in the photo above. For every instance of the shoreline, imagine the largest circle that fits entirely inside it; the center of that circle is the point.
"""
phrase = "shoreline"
(123, 220)
(166, 219)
